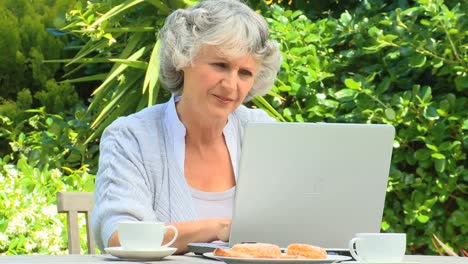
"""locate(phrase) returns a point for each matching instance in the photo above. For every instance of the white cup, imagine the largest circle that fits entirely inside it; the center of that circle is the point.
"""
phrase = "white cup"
(136, 235)
(378, 247)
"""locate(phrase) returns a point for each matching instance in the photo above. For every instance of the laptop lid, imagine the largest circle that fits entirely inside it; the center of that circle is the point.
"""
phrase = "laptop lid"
(314, 183)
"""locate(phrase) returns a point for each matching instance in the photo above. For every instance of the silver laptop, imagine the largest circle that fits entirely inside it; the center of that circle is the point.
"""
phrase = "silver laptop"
(314, 183)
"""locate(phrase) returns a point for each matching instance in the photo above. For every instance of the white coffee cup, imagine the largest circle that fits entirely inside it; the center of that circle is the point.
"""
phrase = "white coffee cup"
(135, 235)
(378, 247)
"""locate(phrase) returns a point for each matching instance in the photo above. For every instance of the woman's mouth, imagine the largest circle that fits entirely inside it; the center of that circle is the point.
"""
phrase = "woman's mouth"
(223, 100)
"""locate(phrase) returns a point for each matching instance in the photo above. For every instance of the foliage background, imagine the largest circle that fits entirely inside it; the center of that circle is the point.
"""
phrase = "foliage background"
(396, 62)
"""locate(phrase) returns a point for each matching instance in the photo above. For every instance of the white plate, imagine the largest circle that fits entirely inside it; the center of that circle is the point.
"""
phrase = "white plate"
(140, 254)
(329, 259)
(360, 262)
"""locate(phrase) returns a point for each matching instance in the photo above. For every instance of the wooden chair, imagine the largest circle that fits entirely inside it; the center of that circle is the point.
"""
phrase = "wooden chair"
(73, 203)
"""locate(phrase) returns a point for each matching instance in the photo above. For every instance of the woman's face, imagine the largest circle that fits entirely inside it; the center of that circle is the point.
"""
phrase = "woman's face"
(215, 85)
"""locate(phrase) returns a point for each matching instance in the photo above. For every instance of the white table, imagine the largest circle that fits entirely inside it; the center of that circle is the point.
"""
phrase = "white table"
(107, 259)
(96, 259)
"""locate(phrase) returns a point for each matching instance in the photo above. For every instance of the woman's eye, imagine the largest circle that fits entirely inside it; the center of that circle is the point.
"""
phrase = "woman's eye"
(246, 73)
(220, 65)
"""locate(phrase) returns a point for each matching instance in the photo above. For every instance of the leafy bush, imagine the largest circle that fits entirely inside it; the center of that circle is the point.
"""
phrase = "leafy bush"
(49, 140)
(404, 67)
(56, 98)
(29, 222)
(123, 33)
(25, 43)
(47, 155)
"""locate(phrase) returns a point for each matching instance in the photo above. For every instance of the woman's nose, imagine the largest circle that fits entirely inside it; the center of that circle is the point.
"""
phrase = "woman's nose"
(230, 80)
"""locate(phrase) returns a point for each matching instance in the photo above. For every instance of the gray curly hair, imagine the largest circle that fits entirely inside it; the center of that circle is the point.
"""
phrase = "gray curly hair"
(228, 24)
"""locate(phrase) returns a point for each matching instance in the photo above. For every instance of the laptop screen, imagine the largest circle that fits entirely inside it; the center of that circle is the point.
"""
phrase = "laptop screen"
(313, 183)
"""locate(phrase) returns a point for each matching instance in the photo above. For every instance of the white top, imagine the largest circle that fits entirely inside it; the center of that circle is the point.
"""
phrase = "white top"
(213, 204)
(207, 204)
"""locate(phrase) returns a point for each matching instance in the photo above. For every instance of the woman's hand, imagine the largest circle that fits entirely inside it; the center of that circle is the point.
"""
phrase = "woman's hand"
(224, 229)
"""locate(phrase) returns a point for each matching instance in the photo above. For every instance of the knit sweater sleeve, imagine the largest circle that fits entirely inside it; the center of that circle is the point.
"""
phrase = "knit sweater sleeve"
(122, 187)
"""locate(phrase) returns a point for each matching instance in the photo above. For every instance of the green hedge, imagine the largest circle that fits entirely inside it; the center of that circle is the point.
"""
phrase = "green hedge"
(25, 44)
(404, 67)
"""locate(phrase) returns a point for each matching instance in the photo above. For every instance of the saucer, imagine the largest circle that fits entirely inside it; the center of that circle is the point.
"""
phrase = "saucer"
(155, 254)
(385, 262)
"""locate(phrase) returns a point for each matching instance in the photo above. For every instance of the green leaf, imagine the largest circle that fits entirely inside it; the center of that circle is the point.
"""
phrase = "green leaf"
(21, 137)
(296, 14)
(438, 156)
(384, 85)
(458, 218)
(160, 5)
(384, 226)
(49, 121)
(432, 147)
(352, 84)
(345, 94)
(345, 18)
(423, 218)
(262, 103)
(87, 49)
(390, 113)
(465, 124)
(461, 82)
(312, 38)
(96, 77)
(115, 11)
(417, 61)
(430, 202)
(375, 32)
(422, 154)
(440, 165)
(430, 113)
(132, 63)
(152, 74)
(410, 11)
(284, 88)
(299, 118)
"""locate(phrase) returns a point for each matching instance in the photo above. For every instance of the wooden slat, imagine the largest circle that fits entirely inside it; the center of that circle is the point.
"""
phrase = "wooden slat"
(89, 234)
(73, 203)
(73, 233)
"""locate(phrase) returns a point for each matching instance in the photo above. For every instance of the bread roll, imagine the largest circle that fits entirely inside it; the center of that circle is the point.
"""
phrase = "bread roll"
(230, 253)
(307, 251)
(258, 250)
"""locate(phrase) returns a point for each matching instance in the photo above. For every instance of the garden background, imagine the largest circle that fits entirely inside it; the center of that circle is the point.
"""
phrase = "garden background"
(68, 68)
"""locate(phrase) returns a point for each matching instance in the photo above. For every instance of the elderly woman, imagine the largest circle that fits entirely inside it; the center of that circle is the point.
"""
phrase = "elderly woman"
(177, 162)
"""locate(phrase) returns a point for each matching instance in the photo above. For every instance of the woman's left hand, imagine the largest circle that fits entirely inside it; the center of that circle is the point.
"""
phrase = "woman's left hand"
(224, 229)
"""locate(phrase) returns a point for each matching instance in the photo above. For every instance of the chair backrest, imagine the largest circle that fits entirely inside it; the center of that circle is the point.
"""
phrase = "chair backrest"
(73, 203)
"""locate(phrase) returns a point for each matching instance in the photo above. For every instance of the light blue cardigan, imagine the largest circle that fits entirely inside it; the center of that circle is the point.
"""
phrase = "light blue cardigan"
(138, 178)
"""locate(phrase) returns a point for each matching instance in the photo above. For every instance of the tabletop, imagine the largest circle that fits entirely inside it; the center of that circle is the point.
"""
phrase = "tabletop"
(107, 259)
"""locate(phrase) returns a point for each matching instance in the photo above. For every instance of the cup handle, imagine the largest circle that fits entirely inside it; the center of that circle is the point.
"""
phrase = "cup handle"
(175, 235)
(352, 250)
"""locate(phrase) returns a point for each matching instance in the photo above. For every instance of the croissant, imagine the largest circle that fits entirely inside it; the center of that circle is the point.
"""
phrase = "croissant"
(264, 250)
(307, 251)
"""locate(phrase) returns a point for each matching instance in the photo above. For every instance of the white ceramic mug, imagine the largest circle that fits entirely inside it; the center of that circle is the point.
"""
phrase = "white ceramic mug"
(134, 235)
(378, 247)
